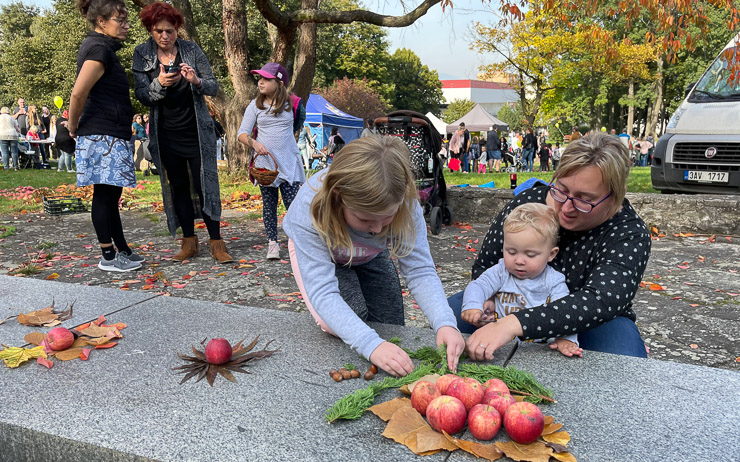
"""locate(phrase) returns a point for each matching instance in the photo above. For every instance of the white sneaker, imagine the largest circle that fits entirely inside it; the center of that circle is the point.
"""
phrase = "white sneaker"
(119, 264)
(273, 250)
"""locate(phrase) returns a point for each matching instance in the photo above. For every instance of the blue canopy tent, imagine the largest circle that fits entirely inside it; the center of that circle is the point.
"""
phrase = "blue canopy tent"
(321, 116)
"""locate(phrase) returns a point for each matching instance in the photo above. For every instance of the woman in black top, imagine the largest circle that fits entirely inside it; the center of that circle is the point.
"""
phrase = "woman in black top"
(100, 115)
(172, 76)
(604, 249)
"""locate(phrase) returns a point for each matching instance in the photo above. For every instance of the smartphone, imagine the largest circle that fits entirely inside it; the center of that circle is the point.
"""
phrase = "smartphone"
(172, 69)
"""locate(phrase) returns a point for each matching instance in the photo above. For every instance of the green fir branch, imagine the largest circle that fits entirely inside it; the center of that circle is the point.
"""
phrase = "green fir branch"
(517, 380)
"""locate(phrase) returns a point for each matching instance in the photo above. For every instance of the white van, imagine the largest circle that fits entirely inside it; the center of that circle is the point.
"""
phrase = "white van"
(700, 150)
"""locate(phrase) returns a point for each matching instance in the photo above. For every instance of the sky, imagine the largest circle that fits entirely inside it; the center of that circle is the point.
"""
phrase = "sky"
(441, 40)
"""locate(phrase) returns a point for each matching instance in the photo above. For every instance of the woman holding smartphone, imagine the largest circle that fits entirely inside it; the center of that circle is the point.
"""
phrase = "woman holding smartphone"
(172, 76)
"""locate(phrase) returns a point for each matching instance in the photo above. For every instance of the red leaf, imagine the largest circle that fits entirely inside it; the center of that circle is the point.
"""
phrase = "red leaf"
(44, 362)
(85, 353)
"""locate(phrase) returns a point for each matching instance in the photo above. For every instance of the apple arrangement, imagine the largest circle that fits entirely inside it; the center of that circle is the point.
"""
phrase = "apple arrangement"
(484, 422)
(424, 393)
(496, 386)
(446, 413)
(445, 381)
(524, 422)
(467, 390)
(60, 338)
(500, 402)
(218, 351)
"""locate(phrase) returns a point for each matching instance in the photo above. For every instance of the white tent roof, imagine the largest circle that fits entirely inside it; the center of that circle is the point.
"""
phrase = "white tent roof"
(438, 123)
(478, 120)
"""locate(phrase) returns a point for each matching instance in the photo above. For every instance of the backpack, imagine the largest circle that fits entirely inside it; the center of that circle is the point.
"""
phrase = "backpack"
(298, 116)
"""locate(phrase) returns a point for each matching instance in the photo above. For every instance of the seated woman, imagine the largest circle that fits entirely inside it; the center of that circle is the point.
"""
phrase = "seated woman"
(604, 249)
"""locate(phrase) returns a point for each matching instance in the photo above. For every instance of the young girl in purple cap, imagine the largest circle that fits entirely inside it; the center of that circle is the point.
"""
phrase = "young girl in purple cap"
(272, 112)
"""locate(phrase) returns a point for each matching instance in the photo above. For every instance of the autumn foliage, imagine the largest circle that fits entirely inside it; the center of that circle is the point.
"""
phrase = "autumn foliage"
(355, 97)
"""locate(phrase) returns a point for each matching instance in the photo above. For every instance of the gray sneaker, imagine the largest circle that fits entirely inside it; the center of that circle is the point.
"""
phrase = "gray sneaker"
(120, 264)
(133, 256)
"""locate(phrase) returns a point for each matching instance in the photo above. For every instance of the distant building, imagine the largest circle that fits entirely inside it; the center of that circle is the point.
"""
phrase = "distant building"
(492, 96)
(500, 77)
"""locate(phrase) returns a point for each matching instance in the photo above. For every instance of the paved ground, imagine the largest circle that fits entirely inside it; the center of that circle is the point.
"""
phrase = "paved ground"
(694, 318)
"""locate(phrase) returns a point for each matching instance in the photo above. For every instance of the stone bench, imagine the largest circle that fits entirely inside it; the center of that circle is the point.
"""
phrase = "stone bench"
(700, 214)
(126, 403)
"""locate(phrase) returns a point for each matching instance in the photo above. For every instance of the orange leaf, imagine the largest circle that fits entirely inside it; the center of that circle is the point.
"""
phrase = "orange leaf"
(654, 230)
(68, 354)
(147, 287)
(551, 426)
(104, 346)
(562, 437)
(386, 410)
(85, 353)
(656, 287)
(535, 452)
(694, 346)
(485, 451)
(564, 456)
(52, 276)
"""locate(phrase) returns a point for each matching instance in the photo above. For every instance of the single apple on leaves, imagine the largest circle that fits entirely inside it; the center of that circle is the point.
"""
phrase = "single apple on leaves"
(423, 394)
(446, 413)
(60, 338)
(500, 402)
(484, 422)
(445, 381)
(218, 351)
(468, 390)
(524, 422)
(496, 386)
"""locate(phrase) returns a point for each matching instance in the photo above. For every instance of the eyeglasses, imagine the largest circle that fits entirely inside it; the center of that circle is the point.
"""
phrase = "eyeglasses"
(579, 204)
(121, 21)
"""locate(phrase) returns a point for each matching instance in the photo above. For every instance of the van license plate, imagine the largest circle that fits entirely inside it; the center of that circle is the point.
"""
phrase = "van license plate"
(706, 177)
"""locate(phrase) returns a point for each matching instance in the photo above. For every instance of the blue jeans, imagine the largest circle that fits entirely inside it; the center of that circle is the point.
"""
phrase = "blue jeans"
(527, 157)
(9, 148)
(619, 336)
(465, 167)
(65, 161)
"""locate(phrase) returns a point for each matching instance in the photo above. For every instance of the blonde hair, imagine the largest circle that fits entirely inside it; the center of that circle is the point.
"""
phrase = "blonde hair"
(536, 216)
(606, 153)
(369, 174)
(280, 100)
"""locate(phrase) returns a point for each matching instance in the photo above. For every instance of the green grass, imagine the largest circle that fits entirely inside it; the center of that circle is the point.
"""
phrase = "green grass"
(6, 231)
(46, 245)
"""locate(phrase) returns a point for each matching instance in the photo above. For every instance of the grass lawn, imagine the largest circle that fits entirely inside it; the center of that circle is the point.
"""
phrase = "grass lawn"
(23, 190)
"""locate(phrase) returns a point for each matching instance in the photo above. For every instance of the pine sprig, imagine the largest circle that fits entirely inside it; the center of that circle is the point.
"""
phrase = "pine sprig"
(517, 380)
(352, 406)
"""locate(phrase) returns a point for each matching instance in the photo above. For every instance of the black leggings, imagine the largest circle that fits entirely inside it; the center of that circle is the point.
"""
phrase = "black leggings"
(105, 217)
(179, 176)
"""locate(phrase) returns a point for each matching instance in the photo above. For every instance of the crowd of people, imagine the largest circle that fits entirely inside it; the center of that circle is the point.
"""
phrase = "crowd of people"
(560, 263)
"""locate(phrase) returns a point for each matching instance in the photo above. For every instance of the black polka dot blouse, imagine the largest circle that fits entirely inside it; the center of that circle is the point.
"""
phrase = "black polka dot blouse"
(603, 268)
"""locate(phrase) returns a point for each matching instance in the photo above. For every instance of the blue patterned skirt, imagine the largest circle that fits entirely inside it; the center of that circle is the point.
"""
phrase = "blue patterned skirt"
(105, 159)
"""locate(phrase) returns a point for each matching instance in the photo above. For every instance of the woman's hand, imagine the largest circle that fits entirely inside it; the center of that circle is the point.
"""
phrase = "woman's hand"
(167, 80)
(392, 359)
(455, 345)
(189, 74)
(484, 341)
(258, 147)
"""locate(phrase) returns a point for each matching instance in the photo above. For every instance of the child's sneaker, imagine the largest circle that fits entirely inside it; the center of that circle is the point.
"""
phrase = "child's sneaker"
(133, 256)
(119, 264)
(273, 251)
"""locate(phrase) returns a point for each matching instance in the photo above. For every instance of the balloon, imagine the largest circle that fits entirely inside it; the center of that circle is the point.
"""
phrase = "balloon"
(603, 129)
(557, 124)
(58, 101)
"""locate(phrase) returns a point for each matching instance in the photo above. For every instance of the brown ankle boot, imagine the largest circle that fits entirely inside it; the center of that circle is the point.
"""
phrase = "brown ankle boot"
(218, 251)
(188, 250)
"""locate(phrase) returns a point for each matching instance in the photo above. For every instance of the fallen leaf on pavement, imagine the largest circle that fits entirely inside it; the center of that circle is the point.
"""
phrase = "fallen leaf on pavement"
(535, 452)
(694, 346)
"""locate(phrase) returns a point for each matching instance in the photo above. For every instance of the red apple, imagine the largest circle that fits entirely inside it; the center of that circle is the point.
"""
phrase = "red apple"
(500, 402)
(423, 394)
(468, 390)
(444, 381)
(484, 422)
(496, 385)
(60, 338)
(524, 422)
(218, 351)
(447, 413)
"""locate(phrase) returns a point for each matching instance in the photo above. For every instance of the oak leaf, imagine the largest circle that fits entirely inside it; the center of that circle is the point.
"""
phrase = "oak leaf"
(485, 451)
(386, 410)
(532, 452)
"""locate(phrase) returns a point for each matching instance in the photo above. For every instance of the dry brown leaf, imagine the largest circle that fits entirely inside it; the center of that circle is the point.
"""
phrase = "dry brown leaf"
(550, 425)
(34, 338)
(386, 410)
(38, 317)
(485, 451)
(101, 331)
(68, 354)
(428, 440)
(532, 452)
(558, 438)
(404, 427)
(564, 457)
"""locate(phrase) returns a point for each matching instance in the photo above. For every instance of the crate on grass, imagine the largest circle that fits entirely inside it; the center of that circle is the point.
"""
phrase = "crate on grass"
(62, 205)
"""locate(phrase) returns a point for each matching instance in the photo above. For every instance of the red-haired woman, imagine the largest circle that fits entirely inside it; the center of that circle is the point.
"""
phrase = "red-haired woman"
(172, 77)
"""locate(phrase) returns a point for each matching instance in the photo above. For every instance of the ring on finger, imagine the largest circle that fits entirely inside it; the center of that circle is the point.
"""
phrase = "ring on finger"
(482, 346)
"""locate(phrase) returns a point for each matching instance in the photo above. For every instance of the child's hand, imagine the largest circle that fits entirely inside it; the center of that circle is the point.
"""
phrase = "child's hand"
(566, 347)
(392, 359)
(472, 316)
(455, 344)
(489, 313)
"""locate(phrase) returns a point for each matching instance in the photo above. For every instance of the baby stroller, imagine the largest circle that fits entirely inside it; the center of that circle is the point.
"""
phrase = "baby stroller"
(513, 160)
(424, 142)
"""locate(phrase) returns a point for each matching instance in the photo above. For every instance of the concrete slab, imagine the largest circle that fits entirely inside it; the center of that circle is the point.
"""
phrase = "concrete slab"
(127, 400)
(622, 408)
(21, 295)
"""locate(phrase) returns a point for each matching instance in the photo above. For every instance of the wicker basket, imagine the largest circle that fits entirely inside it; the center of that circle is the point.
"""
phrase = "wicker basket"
(261, 175)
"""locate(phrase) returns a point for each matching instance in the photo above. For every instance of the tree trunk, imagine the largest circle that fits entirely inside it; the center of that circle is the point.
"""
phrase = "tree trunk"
(631, 108)
(305, 61)
(657, 107)
(189, 26)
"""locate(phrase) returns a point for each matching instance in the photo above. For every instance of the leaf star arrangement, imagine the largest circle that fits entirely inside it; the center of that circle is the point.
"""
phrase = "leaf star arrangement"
(204, 364)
